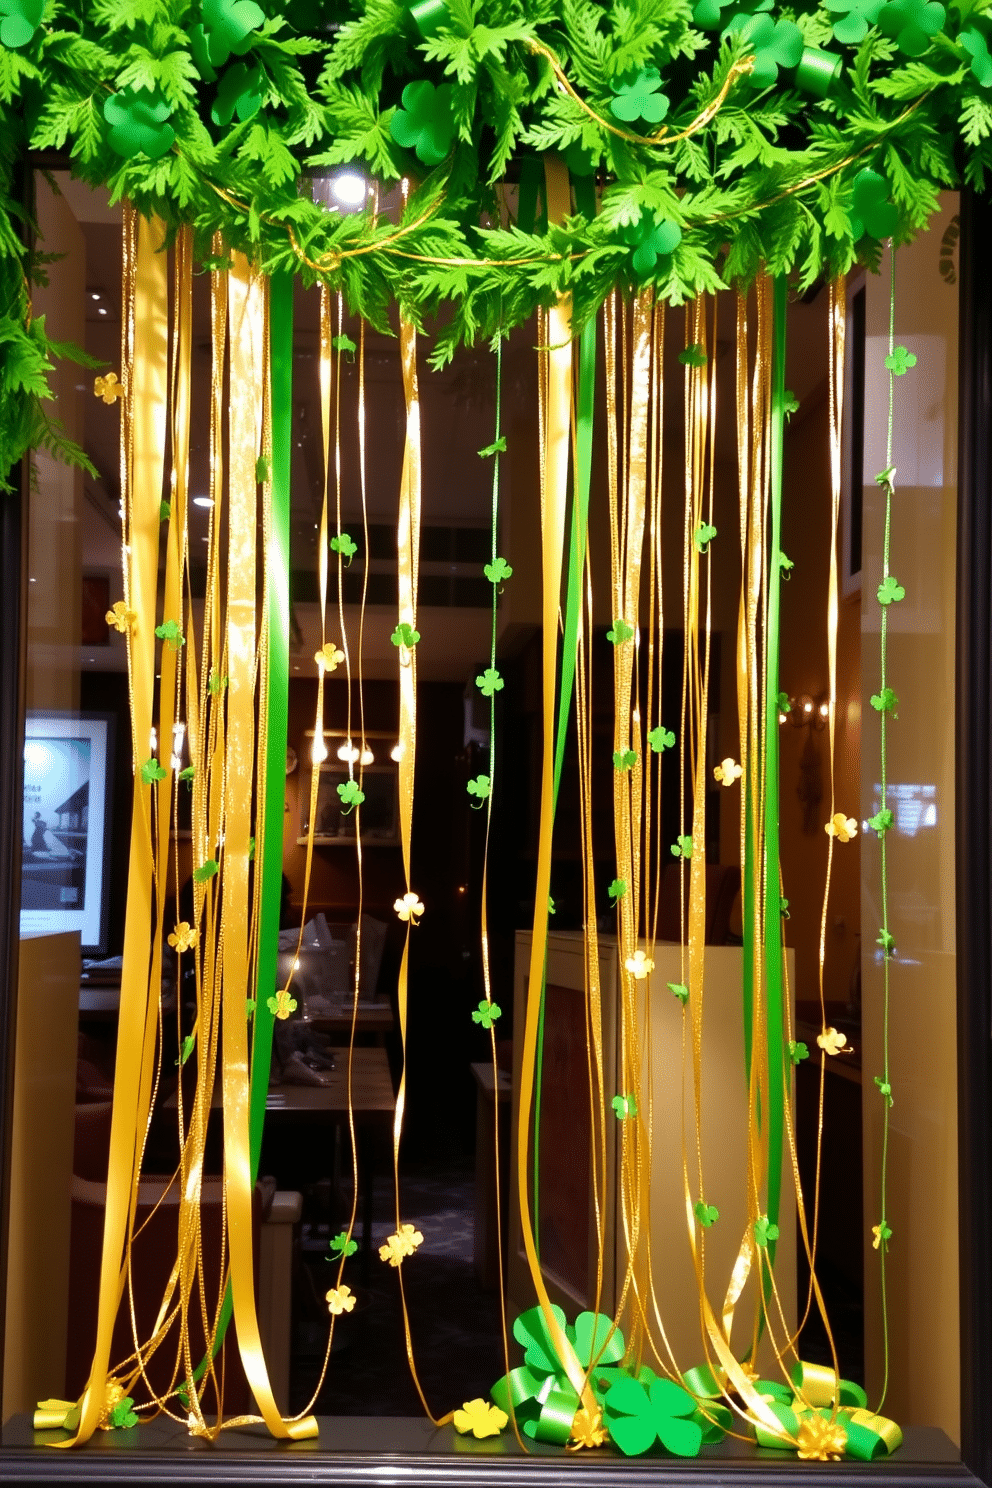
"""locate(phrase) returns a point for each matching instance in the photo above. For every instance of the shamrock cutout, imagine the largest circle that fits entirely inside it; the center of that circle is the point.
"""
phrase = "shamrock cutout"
(137, 123)
(682, 847)
(405, 635)
(707, 1214)
(890, 591)
(107, 388)
(661, 739)
(887, 477)
(344, 545)
(842, 827)
(871, 210)
(727, 771)
(638, 1417)
(887, 941)
(241, 92)
(183, 937)
(121, 618)
(783, 909)
(486, 1014)
(409, 908)
(251, 1004)
(171, 631)
(206, 870)
(188, 1045)
(498, 447)
(262, 469)
(885, 701)
(884, 1088)
(624, 759)
(881, 822)
(340, 1299)
(650, 240)
(121, 1416)
(784, 704)
(164, 511)
(282, 1005)
(624, 1106)
(679, 990)
(345, 344)
(479, 1417)
(425, 123)
(341, 1245)
(617, 889)
(899, 361)
(595, 1337)
(151, 771)
(227, 27)
(621, 632)
(974, 44)
(400, 1245)
(551, 905)
(21, 19)
(328, 658)
(694, 355)
(831, 1042)
(797, 1051)
(764, 1231)
(216, 683)
(882, 1235)
(857, 17)
(187, 775)
(790, 405)
(481, 786)
(490, 682)
(640, 98)
(639, 966)
(704, 535)
(912, 24)
(711, 14)
(351, 795)
(498, 571)
(774, 44)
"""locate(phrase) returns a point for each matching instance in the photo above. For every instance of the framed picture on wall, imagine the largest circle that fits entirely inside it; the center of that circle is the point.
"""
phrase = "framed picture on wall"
(379, 780)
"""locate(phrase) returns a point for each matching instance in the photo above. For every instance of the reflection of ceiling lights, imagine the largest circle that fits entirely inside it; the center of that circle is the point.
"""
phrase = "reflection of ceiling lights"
(318, 751)
(344, 191)
(350, 754)
(396, 753)
(206, 501)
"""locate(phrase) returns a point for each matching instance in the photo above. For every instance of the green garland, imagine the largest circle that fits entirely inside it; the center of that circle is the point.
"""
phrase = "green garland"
(840, 128)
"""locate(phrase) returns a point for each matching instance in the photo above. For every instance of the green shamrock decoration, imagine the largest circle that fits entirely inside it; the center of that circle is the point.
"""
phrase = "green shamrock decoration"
(640, 98)
(289, 1005)
(498, 571)
(650, 241)
(797, 1051)
(790, 403)
(857, 16)
(871, 210)
(551, 905)
(481, 786)
(617, 889)
(171, 631)
(624, 1106)
(121, 1415)
(881, 822)
(693, 356)
(206, 870)
(765, 1231)
(621, 632)
(251, 1004)
(187, 775)
(661, 739)
(151, 771)
(783, 909)
(884, 1088)
(347, 548)
(712, 14)
(226, 28)
(405, 635)
(784, 705)
(137, 123)
(490, 682)
(887, 941)
(426, 122)
(351, 796)
(882, 1236)
(885, 701)
(774, 44)
(341, 1246)
(498, 447)
(624, 759)
(899, 361)
(639, 1417)
(262, 470)
(786, 565)
(216, 683)
(682, 847)
(486, 1014)
(21, 19)
(679, 990)
(345, 344)
(974, 44)
(164, 511)
(890, 591)
(189, 1043)
(704, 535)
(707, 1214)
(241, 92)
(912, 24)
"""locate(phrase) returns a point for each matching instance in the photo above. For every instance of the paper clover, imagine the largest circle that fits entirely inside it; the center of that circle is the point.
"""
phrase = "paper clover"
(899, 361)
(137, 123)
(765, 1231)
(624, 1106)
(426, 122)
(682, 847)
(885, 701)
(21, 19)
(400, 1245)
(498, 571)
(183, 937)
(281, 1005)
(912, 24)
(620, 633)
(703, 536)
(617, 889)
(844, 828)
(890, 591)
(241, 92)
(479, 1417)
(977, 47)
(405, 636)
(172, 632)
(661, 739)
(490, 682)
(409, 908)
(328, 658)
(639, 1417)
(486, 1014)
(121, 618)
(107, 388)
(151, 771)
(340, 1299)
(857, 16)
(774, 44)
(679, 990)
(882, 1235)
(481, 786)
(624, 759)
(342, 1246)
(351, 795)
(871, 210)
(831, 1041)
(707, 1214)
(344, 545)
(639, 966)
(640, 98)
(650, 240)
(727, 771)
(226, 28)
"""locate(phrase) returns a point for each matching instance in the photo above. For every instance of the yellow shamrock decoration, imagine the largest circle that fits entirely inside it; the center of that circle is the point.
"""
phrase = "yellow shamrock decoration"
(588, 1430)
(842, 827)
(481, 1418)
(121, 618)
(639, 966)
(183, 937)
(340, 1299)
(282, 1005)
(108, 388)
(831, 1042)
(328, 657)
(400, 1245)
(821, 1440)
(727, 771)
(409, 908)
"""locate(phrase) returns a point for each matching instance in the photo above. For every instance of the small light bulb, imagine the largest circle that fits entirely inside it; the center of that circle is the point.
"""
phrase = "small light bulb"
(396, 753)
(349, 188)
(153, 739)
(368, 758)
(319, 750)
(824, 710)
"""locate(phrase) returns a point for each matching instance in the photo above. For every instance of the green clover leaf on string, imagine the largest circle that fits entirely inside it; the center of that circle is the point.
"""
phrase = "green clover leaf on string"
(341, 1246)
(774, 44)
(171, 631)
(693, 356)
(620, 633)
(651, 240)
(640, 98)
(216, 683)
(798, 1051)
(188, 775)
(679, 990)
(790, 403)
(661, 739)
(887, 477)
(624, 759)
(704, 535)
(164, 511)
(551, 905)
(871, 210)
(486, 1014)
(975, 45)
(241, 92)
(345, 344)
(490, 682)
(498, 571)
(121, 1415)
(188, 1045)
(707, 1214)
(21, 19)
(151, 771)
(137, 123)
(783, 909)
(884, 1088)
(624, 1106)
(882, 1235)
(351, 796)
(405, 635)
(251, 1003)
(481, 786)
(638, 1417)
(347, 548)
(912, 24)
(881, 822)
(890, 591)
(263, 469)
(426, 122)
(786, 565)
(616, 890)
(899, 361)
(784, 705)
(764, 1231)
(206, 870)
(712, 14)
(227, 27)
(887, 941)
(857, 18)
(498, 447)
(885, 701)
(682, 847)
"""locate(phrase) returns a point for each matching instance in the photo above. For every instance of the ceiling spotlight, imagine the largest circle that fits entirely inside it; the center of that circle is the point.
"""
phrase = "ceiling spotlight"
(206, 501)
(349, 188)
(102, 310)
(94, 294)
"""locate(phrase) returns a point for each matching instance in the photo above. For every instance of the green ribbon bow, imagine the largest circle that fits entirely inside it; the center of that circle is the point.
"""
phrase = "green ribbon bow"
(137, 123)
(538, 1392)
(21, 19)
(426, 122)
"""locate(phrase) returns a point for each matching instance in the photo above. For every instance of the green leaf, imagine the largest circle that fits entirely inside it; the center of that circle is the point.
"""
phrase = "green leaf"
(151, 771)
(679, 990)
(189, 1044)
(164, 511)
(172, 632)
(405, 635)
(498, 447)
(707, 1214)
(205, 871)
(617, 889)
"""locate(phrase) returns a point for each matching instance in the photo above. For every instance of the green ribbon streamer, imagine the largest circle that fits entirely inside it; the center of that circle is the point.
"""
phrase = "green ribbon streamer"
(429, 16)
(531, 188)
(818, 71)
